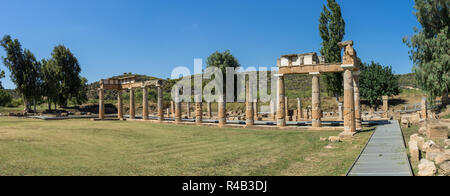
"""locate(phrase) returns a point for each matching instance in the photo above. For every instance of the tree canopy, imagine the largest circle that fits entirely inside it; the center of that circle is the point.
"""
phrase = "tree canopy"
(376, 81)
(430, 48)
(69, 74)
(23, 67)
(332, 31)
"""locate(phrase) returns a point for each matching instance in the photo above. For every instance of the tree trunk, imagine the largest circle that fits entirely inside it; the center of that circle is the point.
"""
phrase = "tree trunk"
(34, 105)
(445, 99)
(49, 106)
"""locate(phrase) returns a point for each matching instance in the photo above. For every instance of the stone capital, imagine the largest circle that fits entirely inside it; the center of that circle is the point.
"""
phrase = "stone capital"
(314, 73)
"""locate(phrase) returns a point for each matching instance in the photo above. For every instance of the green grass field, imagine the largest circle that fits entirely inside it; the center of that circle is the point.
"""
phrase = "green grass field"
(83, 147)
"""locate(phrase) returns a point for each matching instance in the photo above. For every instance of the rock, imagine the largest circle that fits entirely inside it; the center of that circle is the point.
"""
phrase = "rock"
(442, 158)
(423, 130)
(414, 150)
(447, 143)
(445, 168)
(437, 132)
(329, 147)
(430, 146)
(420, 140)
(427, 168)
(432, 155)
(405, 122)
(334, 139)
(323, 139)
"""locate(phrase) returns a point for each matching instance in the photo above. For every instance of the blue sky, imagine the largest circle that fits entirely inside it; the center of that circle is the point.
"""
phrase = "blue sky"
(153, 37)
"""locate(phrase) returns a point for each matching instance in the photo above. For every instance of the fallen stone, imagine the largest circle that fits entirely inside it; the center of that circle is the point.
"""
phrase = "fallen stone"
(442, 158)
(423, 130)
(427, 168)
(414, 150)
(437, 132)
(334, 139)
(430, 146)
(329, 147)
(323, 139)
(432, 155)
(447, 143)
(445, 168)
(420, 140)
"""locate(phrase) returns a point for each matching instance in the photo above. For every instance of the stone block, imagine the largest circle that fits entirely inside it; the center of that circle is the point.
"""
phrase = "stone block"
(430, 146)
(445, 168)
(334, 139)
(414, 150)
(439, 132)
(420, 140)
(427, 168)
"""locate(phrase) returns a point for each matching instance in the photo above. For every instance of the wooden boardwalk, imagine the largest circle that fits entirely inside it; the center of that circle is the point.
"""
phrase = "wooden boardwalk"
(384, 155)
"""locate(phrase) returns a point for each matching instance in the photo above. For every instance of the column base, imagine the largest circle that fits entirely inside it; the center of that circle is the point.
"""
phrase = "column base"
(347, 134)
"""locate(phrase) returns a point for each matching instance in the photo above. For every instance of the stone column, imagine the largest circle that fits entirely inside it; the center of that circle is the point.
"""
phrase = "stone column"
(385, 106)
(188, 109)
(358, 120)
(119, 105)
(198, 110)
(132, 105)
(160, 104)
(316, 112)
(177, 110)
(299, 108)
(272, 110)
(424, 109)
(281, 113)
(144, 103)
(250, 119)
(349, 106)
(286, 107)
(172, 109)
(222, 112)
(101, 104)
(341, 116)
(208, 110)
(255, 109)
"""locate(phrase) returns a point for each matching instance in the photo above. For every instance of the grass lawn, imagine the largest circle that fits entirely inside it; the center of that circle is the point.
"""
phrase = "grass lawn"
(83, 147)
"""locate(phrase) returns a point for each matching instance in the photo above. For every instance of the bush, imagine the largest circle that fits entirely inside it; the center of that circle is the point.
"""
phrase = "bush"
(15, 103)
(5, 98)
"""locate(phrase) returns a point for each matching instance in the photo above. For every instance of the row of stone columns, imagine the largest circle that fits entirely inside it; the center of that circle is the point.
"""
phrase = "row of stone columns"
(352, 107)
(120, 112)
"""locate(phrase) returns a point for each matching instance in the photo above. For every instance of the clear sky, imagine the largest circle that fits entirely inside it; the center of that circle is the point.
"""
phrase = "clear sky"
(152, 37)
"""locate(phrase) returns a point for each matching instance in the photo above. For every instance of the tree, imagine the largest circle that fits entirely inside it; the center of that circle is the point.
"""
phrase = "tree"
(69, 74)
(2, 75)
(430, 48)
(51, 84)
(332, 31)
(222, 60)
(23, 67)
(376, 81)
(5, 98)
(81, 96)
